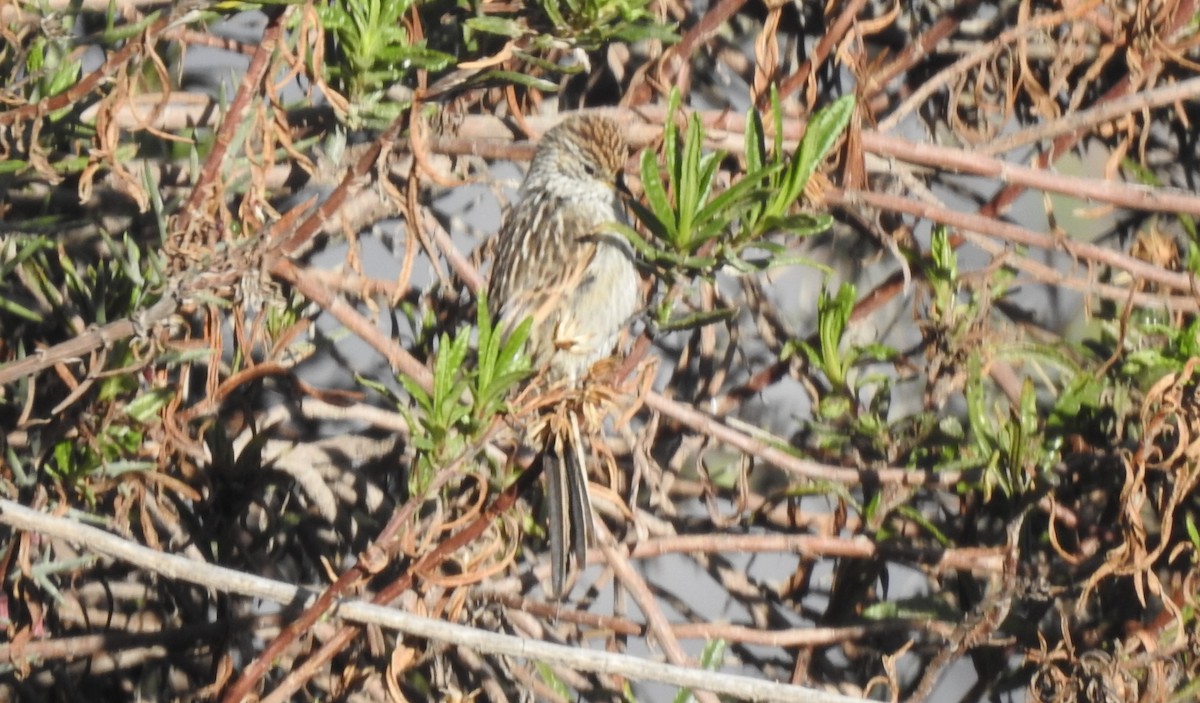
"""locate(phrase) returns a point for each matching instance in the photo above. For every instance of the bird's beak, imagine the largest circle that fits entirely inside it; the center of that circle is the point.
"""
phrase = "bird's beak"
(621, 187)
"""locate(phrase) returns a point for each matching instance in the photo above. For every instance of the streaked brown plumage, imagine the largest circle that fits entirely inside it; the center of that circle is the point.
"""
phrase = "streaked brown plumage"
(557, 265)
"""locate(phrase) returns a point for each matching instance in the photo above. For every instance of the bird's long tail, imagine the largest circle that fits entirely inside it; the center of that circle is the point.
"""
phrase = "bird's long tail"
(570, 504)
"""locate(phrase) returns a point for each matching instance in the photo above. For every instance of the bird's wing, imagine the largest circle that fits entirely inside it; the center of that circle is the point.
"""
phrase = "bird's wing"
(545, 248)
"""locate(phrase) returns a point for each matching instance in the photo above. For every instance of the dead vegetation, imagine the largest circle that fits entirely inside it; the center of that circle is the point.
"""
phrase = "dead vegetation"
(852, 491)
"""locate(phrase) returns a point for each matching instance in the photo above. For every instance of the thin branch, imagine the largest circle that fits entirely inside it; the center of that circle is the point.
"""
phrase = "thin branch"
(225, 580)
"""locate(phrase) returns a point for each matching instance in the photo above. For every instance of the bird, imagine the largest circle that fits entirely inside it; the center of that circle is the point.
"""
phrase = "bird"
(558, 265)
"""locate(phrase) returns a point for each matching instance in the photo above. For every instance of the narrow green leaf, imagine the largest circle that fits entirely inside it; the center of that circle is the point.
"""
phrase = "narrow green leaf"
(833, 312)
(537, 61)
(689, 195)
(713, 655)
(551, 8)
(945, 261)
(656, 196)
(824, 129)
(698, 319)
(977, 412)
(419, 57)
(528, 81)
(666, 33)
(635, 240)
(777, 118)
(14, 308)
(671, 147)
(489, 341)
(755, 150)
(511, 357)
(802, 225)
(146, 406)
(709, 165)
(443, 374)
(496, 25)
(747, 189)
(418, 394)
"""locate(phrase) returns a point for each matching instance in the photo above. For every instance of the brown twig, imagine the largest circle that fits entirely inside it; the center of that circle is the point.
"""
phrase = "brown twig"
(247, 90)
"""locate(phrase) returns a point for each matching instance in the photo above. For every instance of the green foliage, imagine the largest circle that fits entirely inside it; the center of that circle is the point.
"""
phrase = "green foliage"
(552, 680)
(1155, 347)
(711, 659)
(49, 59)
(831, 357)
(838, 360)
(373, 52)
(45, 290)
(785, 185)
(112, 451)
(501, 364)
(1007, 440)
(697, 233)
(1008, 437)
(943, 274)
(43, 283)
(372, 49)
(15, 254)
(1193, 532)
(441, 415)
(585, 24)
(465, 397)
(1087, 391)
(1013, 444)
(590, 24)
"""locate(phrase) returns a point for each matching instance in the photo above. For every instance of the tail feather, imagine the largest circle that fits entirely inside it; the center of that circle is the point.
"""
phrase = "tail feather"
(571, 527)
(582, 530)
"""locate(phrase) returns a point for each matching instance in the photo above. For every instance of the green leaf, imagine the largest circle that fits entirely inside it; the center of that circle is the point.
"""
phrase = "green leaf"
(833, 407)
(698, 319)
(671, 144)
(14, 308)
(711, 659)
(552, 681)
(635, 240)
(979, 417)
(528, 81)
(665, 33)
(489, 339)
(747, 190)
(713, 656)
(918, 517)
(777, 119)
(511, 356)
(756, 149)
(801, 225)
(145, 407)
(551, 8)
(501, 365)
(418, 57)
(656, 196)
(945, 261)
(418, 394)
(823, 131)
(497, 25)
(833, 313)
(688, 196)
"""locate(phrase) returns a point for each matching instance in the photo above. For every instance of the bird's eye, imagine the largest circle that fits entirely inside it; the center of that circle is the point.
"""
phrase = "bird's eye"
(590, 168)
